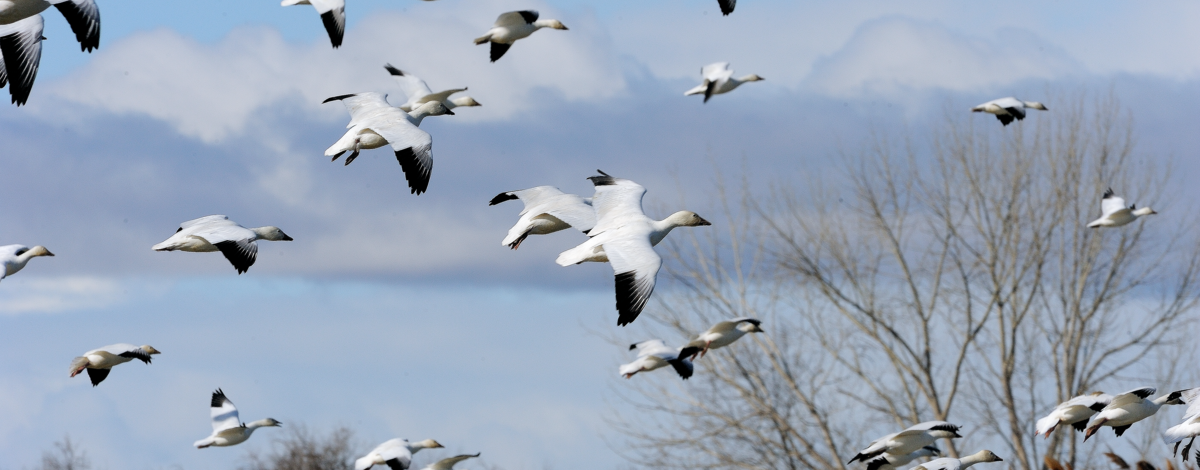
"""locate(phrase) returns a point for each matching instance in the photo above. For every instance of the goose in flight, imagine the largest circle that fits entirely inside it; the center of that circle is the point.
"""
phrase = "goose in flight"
(907, 441)
(99, 362)
(333, 15)
(725, 333)
(948, 463)
(448, 463)
(395, 453)
(13, 258)
(228, 430)
(218, 233)
(1007, 109)
(1114, 213)
(547, 210)
(375, 123)
(1189, 428)
(1074, 412)
(1131, 407)
(718, 79)
(654, 354)
(890, 462)
(512, 26)
(21, 26)
(625, 237)
(418, 92)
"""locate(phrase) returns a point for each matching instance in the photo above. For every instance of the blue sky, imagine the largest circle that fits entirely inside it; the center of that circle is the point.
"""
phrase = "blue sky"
(401, 315)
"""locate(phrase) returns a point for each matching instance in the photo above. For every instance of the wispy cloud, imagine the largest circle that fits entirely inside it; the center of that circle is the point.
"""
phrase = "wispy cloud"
(57, 294)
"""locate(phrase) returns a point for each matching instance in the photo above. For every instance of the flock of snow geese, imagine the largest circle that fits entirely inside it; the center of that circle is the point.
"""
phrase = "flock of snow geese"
(618, 232)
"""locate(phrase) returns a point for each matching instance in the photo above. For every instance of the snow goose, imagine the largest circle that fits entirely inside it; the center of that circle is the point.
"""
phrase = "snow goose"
(625, 236)
(418, 92)
(375, 123)
(448, 463)
(1131, 407)
(727, 6)
(1190, 427)
(21, 25)
(654, 354)
(395, 453)
(718, 79)
(725, 333)
(889, 461)
(512, 26)
(1114, 213)
(99, 362)
(547, 210)
(13, 258)
(218, 233)
(907, 441)
(228, 430)
(1006, 109)
(333, 14)
(1074, 412)
(948, 463)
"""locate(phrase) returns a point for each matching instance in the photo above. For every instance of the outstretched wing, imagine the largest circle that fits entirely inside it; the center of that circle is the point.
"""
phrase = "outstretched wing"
(84, 18)
(716, 71)
(514, 18)
(362, 106)
(1111, 204)
(448, 463)
(727, 6)
(616, 201)
(529, 197)
(21, 48)
(204, 220)
(1132, 396)
(636, 266)
(333, 16)
(413, 86)
(224, 414)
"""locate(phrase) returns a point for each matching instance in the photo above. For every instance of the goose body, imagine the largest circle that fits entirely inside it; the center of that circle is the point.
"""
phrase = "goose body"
(547, 210)
(1189, 428)
(218, 233)
(907, 441)
(333, 16)
(1130, 407)
(1007, 109)
(718, 79)
(948, 463)
(395, 453)
(1114, 212)
(1074, 412)
(510, 27)
(13, 258)
(654, 354)
(888, 461)
(21, 26)
(375, 123)
(725, 333)
(625, 237)
(418, 92)
(98, 362)
(228, 430)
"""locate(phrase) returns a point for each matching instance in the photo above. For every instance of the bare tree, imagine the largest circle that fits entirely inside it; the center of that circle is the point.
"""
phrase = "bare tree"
(65, 456)
(959, 274)
(300, 449)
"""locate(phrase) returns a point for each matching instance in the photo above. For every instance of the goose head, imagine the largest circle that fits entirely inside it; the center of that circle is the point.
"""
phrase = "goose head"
(752, 78)
(272, 422)
(426, 444)
(150, 349)
(35, 252)
(465, 101)
(750, 327)
(985, 456)
(555, 24)
(1035, 105)
(687, 219)
(271, 234)
(1143, 211)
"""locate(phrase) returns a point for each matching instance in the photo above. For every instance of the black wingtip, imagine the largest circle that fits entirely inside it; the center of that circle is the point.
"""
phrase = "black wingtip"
(393, 70)
(337, 98)
(603, 180)
(1107, 194)
(877, 463)
(631, 297)
(633, 346)
(218, 399)
(498, 50)
(501, 198)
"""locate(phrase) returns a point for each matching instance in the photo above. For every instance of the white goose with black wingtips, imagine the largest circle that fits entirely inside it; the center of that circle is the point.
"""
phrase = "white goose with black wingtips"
(950, 463)
(510, 27)
(907, 441)
(1114, 212)
(21, 26)
(725, 333)
(13, 258)
(333, 16)
(228, 430)
(1007, 109)
(654, 354)
(718, 79)
(218, 233)
(99, 362)
(1130, 407)
(625, 237)
(1189, 428)
(375, 123)
(547, 210)
(397, 454)
(418, 92)
(1074, 412)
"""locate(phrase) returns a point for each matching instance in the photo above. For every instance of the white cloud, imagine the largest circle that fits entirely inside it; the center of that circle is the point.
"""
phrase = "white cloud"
(58, 294)
(893, 55)
(212, 91)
